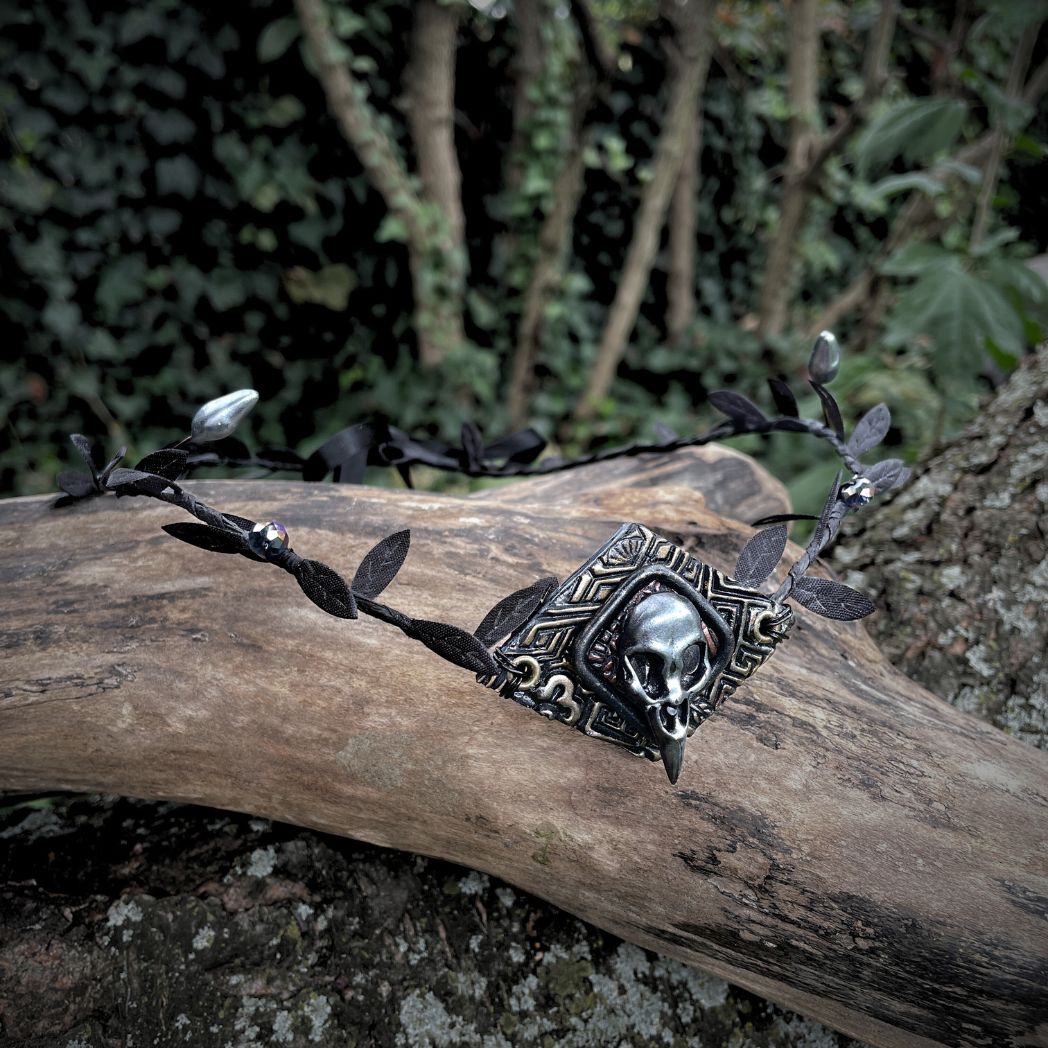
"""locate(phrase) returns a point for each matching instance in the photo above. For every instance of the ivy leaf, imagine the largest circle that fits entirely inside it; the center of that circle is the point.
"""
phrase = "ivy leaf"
(514, 610)
(783, 396)
(737, 407)
(914, 130)
(830, 409)
(870, 430)
(203, 536)
(326, 588)
(277, 37)
(760, 556)
(833, 600)
(381, 564)
(453, 644)
(960, 312)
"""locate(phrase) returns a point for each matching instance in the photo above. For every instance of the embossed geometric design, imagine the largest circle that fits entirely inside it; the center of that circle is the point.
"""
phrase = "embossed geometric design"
(578, 626)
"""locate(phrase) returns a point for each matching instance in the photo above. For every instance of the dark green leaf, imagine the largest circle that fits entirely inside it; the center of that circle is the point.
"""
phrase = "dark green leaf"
(277, 37)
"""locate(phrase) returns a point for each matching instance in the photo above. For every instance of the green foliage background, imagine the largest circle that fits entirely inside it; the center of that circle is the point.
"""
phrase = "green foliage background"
(182, 217)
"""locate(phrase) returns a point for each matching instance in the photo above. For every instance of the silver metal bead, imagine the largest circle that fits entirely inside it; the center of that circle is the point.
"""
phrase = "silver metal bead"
(857, 492)
(825, 360)
(219, 417)
(269, 538)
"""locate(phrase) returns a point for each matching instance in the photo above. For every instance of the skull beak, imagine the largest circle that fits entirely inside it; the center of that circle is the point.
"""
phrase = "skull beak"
(672, 757)
(669, 724)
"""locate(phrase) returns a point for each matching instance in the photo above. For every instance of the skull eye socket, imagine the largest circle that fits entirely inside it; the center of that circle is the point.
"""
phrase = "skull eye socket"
(649, 669)
(693, 664)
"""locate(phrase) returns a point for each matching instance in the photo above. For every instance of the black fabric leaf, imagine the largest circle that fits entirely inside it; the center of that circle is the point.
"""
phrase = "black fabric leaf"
(381, 564)
(760, 556)
(514, 610)
(240, 522)
(831, 599)
(135, 481)
(889, 474)
(791, 425)
(870, 430)
(168, 462)
(108, 468)
(823, 531)
(76, 484)
(783, 396)
(523, 446)
(737, 407)
(326, 588)
(206, 537)
(280, 458)
(83, 446)
(455, 645)
(472, 445)
(348, 449)
(782, 518)
(830, 409)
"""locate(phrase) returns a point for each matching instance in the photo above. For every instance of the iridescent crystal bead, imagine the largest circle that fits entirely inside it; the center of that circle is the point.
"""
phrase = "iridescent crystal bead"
(857, 492)
(267, 539)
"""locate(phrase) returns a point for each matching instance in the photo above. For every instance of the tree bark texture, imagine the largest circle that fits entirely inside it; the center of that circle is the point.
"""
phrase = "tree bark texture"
(961, 553)
(840, 840)
(694, 39)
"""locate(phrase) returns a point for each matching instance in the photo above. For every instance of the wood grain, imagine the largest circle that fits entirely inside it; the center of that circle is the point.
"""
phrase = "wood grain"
(840, 841)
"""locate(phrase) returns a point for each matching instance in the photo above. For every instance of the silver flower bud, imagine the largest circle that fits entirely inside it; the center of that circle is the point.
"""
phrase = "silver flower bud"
(219, 417)
(825, 360)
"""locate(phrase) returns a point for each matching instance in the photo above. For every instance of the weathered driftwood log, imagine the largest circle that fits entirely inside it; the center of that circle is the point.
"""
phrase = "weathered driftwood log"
(839, 841)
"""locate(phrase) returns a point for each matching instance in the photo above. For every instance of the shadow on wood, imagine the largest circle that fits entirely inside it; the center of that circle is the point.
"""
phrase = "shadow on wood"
(839, 841)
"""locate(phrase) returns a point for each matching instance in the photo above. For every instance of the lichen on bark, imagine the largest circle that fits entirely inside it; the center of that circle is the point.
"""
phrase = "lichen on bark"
(957, 563)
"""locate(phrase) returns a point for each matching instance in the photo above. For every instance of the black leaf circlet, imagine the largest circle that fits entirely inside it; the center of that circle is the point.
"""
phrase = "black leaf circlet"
(158, 475)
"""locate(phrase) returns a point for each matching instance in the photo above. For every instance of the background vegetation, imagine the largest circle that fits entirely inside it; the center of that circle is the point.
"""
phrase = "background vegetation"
(581, 216)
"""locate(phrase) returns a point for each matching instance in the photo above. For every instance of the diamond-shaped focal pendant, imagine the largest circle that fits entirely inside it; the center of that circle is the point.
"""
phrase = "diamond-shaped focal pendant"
(640, 644)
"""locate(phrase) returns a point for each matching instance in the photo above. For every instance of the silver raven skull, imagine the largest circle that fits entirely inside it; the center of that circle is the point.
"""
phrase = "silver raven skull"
(665, 663)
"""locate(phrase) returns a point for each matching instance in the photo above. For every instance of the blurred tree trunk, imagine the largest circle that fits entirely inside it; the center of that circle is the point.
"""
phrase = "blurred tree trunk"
(429, 105)
(434, 234)
(528, 63)
(555, 234)
(693, 39)
(808, 151)
(803, 70)
(554, 238)
(683, 229)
